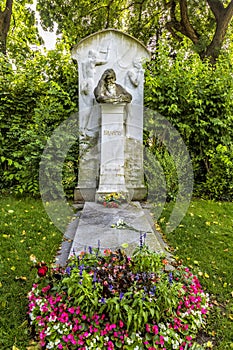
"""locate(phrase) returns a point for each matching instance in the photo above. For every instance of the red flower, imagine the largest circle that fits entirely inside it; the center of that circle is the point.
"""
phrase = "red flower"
(42, 270)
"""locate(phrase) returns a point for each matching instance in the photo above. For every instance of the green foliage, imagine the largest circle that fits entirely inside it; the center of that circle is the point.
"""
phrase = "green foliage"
(36, 97)
(219, 179)
(196, 98)
(146, 260)
(139, 19)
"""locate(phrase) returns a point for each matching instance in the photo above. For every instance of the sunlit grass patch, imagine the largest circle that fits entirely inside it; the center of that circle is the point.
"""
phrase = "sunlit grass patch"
(25, 230)
(204, 241)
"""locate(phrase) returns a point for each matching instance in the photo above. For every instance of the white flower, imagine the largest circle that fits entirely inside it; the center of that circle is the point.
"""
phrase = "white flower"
(48, 331)
(162, 326)
(50, 345)
(120, 222)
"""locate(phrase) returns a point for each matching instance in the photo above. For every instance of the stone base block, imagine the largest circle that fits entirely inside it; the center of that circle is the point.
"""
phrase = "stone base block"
(137, 193)
(84, 195)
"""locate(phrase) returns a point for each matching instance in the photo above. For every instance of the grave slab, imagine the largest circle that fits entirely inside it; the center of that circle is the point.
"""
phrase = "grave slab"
(97, 227)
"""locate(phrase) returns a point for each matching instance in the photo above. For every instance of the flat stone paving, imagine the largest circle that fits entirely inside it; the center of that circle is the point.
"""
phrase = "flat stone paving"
(95, 228)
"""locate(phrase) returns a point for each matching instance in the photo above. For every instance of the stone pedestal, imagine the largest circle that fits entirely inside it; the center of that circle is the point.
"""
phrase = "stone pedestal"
(112, 150)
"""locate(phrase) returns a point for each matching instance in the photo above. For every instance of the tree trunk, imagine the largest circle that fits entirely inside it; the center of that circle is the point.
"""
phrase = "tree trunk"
(223, 17)
(183, 26)
(5, 18)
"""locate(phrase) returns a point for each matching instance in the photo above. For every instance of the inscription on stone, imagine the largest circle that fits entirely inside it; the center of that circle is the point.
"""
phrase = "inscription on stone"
(113, 132)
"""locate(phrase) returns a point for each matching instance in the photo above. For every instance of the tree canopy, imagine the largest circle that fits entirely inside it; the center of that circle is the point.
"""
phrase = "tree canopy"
(204, 22)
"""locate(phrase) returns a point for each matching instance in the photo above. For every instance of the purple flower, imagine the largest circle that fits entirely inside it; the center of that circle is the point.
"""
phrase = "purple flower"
(94, 277)
(121, 295)
(68, 270)
(81, 267)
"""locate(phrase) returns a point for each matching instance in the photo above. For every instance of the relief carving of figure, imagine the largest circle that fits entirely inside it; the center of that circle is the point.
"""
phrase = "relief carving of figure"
(108, 91)
(88, 70)
(87, 87)
(136, 74)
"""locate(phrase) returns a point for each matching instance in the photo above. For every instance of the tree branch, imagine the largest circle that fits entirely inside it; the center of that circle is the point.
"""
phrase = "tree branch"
(223, 17)
(5, 19)
(183, 26)
(216, 7)
(187, 28)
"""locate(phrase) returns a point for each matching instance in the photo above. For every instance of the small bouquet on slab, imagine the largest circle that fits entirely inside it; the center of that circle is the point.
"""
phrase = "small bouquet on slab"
(112, 200)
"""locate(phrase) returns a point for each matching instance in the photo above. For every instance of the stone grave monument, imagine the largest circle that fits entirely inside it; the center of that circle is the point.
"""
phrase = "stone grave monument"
(111, 81)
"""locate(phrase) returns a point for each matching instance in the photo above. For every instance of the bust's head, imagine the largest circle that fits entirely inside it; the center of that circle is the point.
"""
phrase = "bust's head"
(109, 76)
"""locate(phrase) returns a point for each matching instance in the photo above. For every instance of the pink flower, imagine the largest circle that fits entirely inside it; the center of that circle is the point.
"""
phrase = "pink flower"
(188, 337)
(60, 346)
(148, 328)
(42, 335)
(44, 308)
(64, 337)
(203, 311)
(155, 329)
(70, 337)
(71, 310)
(121, 324)
(45, 289)
(161, 340)
(110, 345)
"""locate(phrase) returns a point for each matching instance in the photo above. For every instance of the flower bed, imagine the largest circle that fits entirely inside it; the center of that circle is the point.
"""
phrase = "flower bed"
(112, 200)
(110, 301)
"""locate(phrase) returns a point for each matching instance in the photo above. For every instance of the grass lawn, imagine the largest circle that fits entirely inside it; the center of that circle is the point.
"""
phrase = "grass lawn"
(203, 241)
(25, 230)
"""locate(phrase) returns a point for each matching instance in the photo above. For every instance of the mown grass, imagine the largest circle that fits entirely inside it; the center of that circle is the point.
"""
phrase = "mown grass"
(25, 230)
(204, 241)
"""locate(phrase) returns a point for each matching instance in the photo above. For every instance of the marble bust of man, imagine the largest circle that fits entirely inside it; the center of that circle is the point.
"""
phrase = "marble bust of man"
(108, 91)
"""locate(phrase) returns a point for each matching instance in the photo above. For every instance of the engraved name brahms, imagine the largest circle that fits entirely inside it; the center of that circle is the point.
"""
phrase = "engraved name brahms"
(113, 132)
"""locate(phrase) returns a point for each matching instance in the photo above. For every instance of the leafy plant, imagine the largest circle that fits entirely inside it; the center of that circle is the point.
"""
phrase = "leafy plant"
(195, 98)
(36, 97)
(110, 300)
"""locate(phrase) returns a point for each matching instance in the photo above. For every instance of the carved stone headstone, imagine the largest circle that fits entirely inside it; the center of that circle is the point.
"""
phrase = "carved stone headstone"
(110, 50)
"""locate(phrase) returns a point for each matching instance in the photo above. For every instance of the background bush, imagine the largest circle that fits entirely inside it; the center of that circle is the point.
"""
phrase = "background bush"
(196, 98)
(36, 96)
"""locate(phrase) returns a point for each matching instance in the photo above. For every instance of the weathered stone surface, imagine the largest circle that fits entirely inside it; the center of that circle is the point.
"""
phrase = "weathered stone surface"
(95, 228)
